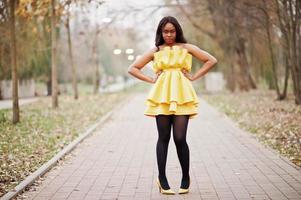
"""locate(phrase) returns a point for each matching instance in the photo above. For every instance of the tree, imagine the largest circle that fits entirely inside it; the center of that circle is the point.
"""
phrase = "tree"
(53, 57)
(264, 15)
(241, 27)
(73, 68)
(13, 50)
(289, 16)
(228, 32)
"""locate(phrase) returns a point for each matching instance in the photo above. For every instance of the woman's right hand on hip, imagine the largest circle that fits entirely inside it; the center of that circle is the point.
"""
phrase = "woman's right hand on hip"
(157, 76)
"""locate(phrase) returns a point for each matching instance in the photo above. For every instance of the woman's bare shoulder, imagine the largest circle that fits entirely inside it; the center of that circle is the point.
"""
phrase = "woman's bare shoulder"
(150, 52)
(190, 47)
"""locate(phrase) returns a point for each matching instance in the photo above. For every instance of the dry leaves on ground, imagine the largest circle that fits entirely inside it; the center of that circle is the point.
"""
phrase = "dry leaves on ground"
(275, 123)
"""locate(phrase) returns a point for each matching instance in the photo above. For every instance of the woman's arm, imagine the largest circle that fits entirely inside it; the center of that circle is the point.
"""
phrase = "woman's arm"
(135, 68)
(208, 59)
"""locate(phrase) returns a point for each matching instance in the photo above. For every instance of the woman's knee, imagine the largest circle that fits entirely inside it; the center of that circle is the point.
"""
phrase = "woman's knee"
(164, 138)
(180, 141)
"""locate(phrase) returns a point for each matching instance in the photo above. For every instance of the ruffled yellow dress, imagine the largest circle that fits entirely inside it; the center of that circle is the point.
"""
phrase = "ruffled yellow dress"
(173, 93)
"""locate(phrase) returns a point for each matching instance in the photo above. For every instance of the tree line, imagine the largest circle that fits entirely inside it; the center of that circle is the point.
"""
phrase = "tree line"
(28, 43)
(258, 39)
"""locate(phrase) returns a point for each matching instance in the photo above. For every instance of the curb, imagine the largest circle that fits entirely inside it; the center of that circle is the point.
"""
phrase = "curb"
(53, 161)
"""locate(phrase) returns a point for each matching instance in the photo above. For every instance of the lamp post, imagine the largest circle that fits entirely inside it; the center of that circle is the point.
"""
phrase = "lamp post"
(129, 56)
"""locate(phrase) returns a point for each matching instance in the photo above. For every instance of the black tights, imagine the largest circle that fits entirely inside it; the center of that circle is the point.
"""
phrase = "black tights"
(179, 123)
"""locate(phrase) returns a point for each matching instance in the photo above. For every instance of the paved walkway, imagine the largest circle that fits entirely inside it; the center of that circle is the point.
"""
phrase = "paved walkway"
(4, 104)
(118, 162)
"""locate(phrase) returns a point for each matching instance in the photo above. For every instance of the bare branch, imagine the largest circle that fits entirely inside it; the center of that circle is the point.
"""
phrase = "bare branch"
(196, 25)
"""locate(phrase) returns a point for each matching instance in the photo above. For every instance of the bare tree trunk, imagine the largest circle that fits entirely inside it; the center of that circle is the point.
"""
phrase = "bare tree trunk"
(268, 26)
(238, 36)
(289, 14)
(230, 81)
(286, 76)
(48, 86)
(1, 66)
(74, 76)
(96, 77)
(246, 81)
(53, 57)
(16, 113)
(298, 43)
(230, 38)
(45, 54)
(267, 29)
(295, 17)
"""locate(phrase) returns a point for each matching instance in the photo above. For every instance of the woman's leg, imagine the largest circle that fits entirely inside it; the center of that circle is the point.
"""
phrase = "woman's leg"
(180, 124)
(164, 128)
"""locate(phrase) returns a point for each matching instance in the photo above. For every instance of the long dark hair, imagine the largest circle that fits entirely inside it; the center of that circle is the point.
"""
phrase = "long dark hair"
(179, 33)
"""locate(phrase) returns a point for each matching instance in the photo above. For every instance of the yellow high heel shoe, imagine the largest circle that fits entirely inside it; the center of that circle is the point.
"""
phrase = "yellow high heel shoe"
(183, 190)
(162, 191)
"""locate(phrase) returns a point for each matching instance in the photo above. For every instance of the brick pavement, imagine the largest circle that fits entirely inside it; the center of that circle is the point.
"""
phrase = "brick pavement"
(119, 162)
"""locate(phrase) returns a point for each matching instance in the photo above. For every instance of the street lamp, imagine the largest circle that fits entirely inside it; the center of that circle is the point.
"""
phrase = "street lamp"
(106, 20)
(117, 51)
(130, 57)
(129, 51)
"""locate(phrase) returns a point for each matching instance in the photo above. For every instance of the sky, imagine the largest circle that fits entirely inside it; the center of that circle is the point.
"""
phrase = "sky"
(143, 21)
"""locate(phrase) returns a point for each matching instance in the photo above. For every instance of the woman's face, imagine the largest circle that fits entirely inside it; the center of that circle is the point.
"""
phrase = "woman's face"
(169, 33)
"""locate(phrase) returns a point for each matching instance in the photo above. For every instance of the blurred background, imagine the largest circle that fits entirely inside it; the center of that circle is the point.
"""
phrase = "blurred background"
(256, 43)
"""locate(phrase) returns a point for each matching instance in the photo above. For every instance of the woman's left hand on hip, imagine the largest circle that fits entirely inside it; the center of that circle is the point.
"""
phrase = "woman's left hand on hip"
(187, 74)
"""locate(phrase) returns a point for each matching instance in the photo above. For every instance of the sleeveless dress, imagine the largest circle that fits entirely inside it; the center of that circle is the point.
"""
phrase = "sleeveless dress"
(173, 93)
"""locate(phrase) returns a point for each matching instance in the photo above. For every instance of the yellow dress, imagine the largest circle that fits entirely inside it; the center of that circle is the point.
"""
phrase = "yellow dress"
(173, 93)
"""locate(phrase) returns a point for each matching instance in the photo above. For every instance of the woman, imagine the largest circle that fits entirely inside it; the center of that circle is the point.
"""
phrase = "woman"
(172, 99)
